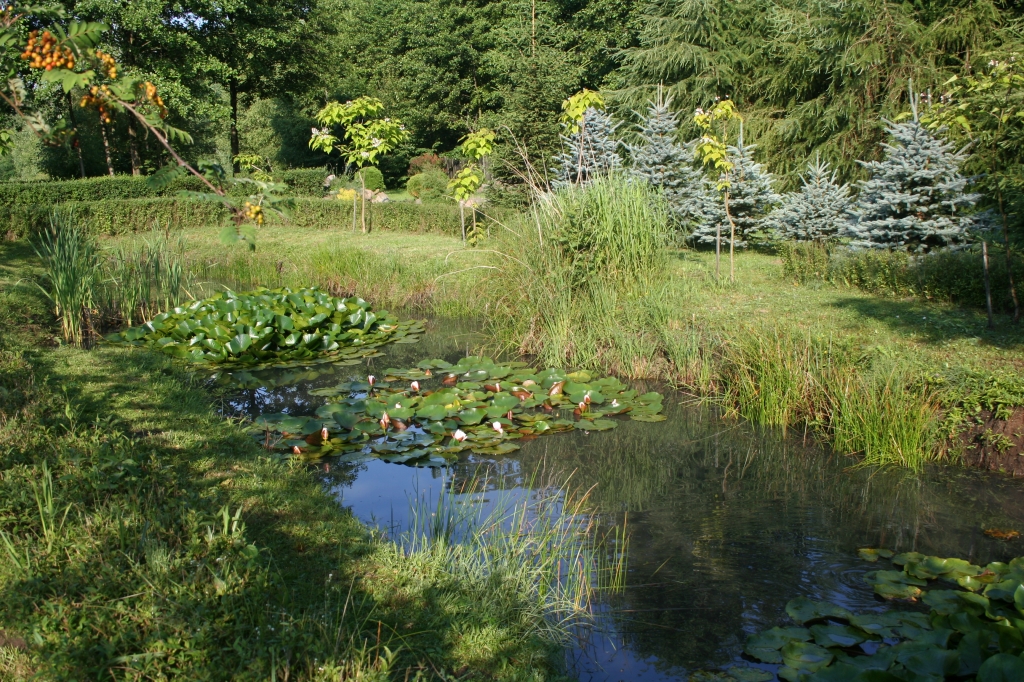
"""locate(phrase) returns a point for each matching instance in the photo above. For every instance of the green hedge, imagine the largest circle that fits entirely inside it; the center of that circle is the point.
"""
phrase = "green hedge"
(120, 216)
(303, 182)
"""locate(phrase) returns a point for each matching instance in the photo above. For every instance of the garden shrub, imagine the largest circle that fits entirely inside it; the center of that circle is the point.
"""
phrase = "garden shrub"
(423, 163)
(371, 178)
(114, 216)
(430, 185)
(942, 275)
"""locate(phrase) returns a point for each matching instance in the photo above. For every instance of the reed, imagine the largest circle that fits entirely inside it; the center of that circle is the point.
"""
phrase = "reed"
(71, 263)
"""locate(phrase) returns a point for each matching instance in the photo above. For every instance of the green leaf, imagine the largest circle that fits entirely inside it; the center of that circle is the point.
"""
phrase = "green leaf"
(1001, 668)
(803, 610)
(806, 656)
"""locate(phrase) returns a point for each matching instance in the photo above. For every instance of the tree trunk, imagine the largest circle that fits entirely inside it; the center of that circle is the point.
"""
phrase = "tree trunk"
(233, 95)
(988, 287)
(106, 148)
(355, 210)
(732, 240)
(78, 140)
(133, 147)
(1009, 259)
(462, 219)
(362, 200)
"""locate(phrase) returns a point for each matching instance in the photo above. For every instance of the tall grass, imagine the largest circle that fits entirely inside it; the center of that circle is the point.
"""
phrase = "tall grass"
(71, 263)
(143, 277)
(542, 545)
(583, 277)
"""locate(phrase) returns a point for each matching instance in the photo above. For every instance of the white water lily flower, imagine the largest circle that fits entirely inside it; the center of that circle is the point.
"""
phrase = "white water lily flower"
(416, 386)
(324, 434)
(371, 379)
(459, 435)
(497, 427)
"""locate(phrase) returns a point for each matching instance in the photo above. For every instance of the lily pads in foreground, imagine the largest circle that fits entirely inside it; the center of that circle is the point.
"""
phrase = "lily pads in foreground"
(432, 418)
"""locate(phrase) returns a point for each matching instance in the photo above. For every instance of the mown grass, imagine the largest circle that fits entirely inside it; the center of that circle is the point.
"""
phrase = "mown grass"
(145, 537)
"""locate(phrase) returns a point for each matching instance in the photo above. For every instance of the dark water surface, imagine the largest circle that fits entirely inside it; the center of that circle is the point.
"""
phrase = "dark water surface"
(727, 522)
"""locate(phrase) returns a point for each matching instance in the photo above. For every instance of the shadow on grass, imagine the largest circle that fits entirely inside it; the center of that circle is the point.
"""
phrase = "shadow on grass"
(935, 325)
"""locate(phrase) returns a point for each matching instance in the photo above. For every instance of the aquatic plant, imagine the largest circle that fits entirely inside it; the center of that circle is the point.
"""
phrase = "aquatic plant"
(479, 406)
(71, 261)
(270, 326)
(971, 631)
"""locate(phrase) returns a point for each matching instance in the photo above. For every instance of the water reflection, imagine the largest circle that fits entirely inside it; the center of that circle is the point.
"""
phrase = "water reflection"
(727, 522)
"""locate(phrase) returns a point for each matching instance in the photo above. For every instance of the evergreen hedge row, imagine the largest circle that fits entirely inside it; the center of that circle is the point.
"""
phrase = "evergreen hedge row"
(303, 182)
(120, 216)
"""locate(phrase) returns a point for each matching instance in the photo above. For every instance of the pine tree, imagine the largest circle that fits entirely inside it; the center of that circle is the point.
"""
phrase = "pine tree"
(915, 198)
(750, 198)
(819, 211)
(590, 151)
(664, 163)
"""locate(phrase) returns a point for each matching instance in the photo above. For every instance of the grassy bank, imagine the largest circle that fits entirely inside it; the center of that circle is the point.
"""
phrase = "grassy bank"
(145, 537)
(895, 380)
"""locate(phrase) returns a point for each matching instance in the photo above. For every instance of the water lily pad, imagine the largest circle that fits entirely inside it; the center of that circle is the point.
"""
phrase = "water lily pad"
(803, 610)
(870, 554)
(837, 635)
(1002, 668)
(806, 656)
(750, 675)
(647, 417)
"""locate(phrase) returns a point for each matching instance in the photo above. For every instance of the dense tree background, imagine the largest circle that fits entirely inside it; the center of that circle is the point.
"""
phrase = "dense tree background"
(814, 79)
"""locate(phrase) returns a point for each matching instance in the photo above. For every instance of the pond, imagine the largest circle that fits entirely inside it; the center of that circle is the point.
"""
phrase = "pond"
(727, 522)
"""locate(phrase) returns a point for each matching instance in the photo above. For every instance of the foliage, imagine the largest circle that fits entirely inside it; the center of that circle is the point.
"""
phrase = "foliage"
(370, 177)
(71, 261)
(269, 327)
(477, 406)
(812, 78)
(915, 198)
(466, 182)
(667, 165)
(746, 197)
(367, 134)
(968, 631)
(117, 216)
(423, 163)
(430, 185)
(574, 109)
(591, 152)
(819, 211)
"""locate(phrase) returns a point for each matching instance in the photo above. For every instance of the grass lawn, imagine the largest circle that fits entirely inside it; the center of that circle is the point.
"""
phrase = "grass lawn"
(146, 537)
(930, 336)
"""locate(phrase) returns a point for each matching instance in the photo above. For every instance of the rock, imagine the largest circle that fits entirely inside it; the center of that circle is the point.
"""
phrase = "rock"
(329, 180)
(379, 198)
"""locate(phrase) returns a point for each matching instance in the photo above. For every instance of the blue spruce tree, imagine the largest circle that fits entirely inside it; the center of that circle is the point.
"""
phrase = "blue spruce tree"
(589, 152)
(915, 198)
(664, 163)
(750, 198)
(818, 212)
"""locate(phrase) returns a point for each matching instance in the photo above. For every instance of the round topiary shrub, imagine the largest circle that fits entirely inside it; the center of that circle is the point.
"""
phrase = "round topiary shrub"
(430, 185)
(371, 176)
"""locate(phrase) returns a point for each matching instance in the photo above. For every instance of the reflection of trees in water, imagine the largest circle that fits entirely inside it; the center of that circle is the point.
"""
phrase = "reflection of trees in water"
(728, 522)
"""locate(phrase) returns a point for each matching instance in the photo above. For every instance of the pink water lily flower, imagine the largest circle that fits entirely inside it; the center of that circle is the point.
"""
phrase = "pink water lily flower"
(459, 435)
(416, 386)
(497, 427)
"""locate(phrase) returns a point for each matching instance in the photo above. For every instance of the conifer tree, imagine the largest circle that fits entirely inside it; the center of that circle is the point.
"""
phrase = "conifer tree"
(819, 211)
(750, 198)
(590, 151)
(664, 163)
(915, 198)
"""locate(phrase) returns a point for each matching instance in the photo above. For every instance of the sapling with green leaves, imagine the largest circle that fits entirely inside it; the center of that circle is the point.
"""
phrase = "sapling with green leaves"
(476, 146)
(712, 150)
(367, 135)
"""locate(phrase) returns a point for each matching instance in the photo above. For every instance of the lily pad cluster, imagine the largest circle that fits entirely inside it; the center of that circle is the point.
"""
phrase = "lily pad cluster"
(270, 327)
(974, 629)
(426, 415)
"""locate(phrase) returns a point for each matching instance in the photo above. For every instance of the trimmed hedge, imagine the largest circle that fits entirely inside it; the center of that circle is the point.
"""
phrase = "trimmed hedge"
(120, 216)
(303, 182)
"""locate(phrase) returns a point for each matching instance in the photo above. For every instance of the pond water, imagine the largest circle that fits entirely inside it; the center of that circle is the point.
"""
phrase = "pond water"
(727, 522)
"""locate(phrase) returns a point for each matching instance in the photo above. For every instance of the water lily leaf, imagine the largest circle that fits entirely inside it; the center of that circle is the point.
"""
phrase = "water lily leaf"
(777, 637)
(472, 416)
(837, 635)
(878, 624)
(432, 412)
(1002, 668)
(803, 610)
(806, 656)
(750, 675)
(901, 559)
(647, 417)
(873, 554)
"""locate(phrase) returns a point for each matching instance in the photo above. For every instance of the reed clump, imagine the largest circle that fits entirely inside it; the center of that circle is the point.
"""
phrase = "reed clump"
(71, 263)
(583, 275)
